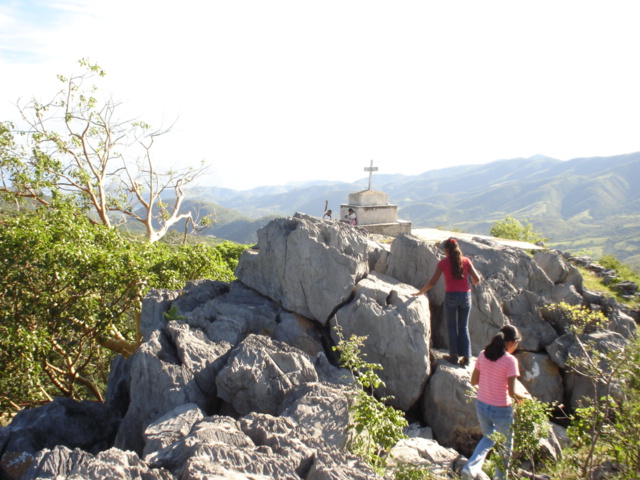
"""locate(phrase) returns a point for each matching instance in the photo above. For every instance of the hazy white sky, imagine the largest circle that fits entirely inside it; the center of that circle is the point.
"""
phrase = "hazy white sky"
(269, 92)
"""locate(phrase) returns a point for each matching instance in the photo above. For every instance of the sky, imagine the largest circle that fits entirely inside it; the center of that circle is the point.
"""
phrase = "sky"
(271, 92)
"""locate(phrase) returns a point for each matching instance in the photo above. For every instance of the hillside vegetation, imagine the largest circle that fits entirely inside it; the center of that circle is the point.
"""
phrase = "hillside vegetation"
(584, 204)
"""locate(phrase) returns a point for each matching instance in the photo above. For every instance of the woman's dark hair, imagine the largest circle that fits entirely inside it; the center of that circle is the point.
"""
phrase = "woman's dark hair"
(455, 257)
(496, 347)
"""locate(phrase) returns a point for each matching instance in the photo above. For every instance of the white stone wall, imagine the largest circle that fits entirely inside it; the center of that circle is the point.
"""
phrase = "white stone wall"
(368, 198)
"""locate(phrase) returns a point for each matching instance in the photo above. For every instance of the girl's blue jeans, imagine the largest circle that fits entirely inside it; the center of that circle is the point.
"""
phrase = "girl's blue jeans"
(457, 307)
(492, 419)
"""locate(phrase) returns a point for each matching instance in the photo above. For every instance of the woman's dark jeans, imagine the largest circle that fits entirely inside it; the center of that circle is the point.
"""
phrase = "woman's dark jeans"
(457, 306)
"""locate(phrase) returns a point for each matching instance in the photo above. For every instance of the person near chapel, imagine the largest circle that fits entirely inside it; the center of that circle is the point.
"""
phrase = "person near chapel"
(457, 270)
(350, 218)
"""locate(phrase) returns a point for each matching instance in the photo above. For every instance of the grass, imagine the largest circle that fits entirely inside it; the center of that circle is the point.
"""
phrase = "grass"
(595, 284)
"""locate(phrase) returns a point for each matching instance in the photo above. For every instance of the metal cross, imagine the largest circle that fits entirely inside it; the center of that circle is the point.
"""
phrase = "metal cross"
(370, 169)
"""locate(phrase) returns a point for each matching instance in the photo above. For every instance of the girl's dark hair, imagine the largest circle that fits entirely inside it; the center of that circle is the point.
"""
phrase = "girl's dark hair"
(455, 257)
(496, 347)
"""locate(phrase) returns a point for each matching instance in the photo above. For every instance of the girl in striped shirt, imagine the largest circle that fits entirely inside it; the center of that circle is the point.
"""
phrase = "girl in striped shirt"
(495, 373)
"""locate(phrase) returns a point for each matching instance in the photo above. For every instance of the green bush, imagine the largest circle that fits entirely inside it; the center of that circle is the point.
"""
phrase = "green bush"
(512, 229)
(70, 294)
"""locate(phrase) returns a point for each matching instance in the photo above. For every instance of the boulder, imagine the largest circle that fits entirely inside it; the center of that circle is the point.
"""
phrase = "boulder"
(200, 356)
(578, 387)
(162, 382)
(169, 428)
(622, 323)
(557, 268)
(232, 316)
(541, 376)
(448, 406)
(154, 305)
(115, 464)
(260, 373)
(413, 261)
(91, 426)
(397, 328)
(424, 453)
(378, 255)
(299, 332)
(307, 265)
(197, 293)
(322, 411)
(567, 293)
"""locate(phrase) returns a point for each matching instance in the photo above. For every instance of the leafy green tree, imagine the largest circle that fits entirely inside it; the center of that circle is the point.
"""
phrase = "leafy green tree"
(512, 229)
(70, 296)
(74, 149)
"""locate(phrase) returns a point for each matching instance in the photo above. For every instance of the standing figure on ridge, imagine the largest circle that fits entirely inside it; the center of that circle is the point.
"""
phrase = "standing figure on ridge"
(457, 270)
(496, 374)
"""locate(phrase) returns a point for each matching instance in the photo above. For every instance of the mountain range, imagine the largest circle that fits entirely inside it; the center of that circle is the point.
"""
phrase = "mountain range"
(589, 205)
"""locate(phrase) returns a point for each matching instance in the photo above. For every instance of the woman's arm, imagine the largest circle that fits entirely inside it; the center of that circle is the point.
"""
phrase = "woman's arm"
(431, 283)
(475, 276)
(519, 392)
(475, 377)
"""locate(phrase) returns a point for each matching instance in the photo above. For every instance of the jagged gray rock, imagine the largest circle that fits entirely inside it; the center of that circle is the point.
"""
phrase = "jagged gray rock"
(299, 332)
(448, 408)
(161, 383)
(88, 425)
(397, 328)
(305, 264)
(200, 397)
(578, 387)
(260, 372)
(233, 315)
(169, 428)
(61, 462)
(154, 305)
(541, 377)
(557, 268)
(425, 453)
(322, 411)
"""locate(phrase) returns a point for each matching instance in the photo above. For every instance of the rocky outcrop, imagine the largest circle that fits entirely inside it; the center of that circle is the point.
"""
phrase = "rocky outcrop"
(306, 265)
(241, 381)
(397, 328)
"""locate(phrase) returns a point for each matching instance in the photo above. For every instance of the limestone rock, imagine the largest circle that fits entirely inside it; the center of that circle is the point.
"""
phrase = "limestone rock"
(541, 376)
(424, 453)
(169, 428)
(232, 316)
(448, 406)
(576, 386)
(154, 306)
(305, 264)
(320, 410)
(88, 425)
(260, 373)
(61, 462)
(558, 269)
(397, 326)
(299, 332)
(161, 382)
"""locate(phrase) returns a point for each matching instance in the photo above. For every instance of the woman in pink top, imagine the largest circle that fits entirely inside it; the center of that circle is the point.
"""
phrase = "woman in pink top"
(457, 269)
(495, 374)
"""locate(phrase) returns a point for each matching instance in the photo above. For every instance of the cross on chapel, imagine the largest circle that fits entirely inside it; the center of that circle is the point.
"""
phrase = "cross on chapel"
(370, 169)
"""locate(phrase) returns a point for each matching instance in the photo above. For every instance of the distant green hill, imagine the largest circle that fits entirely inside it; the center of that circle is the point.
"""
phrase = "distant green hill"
(588, 204)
